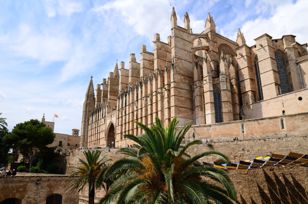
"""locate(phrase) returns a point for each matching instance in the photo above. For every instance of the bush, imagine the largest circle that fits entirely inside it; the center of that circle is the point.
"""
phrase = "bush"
(35, 169)
(21, 168)
(52, 168)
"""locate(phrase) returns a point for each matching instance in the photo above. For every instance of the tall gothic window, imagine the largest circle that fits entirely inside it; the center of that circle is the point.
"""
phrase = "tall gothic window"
(239, 93)
(258, 78)
(217, 105)
(285, 86)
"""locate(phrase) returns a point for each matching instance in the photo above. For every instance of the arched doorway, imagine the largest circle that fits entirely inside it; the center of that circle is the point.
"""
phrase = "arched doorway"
(11, 201)
(54, 199)
(111, 137)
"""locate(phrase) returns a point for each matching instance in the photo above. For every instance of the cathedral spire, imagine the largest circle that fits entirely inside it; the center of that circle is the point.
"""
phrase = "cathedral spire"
(173, 18)
(210, 24)
(186, 21)
(116, 71)
(88, 107)
(90, 91)
(240, 39)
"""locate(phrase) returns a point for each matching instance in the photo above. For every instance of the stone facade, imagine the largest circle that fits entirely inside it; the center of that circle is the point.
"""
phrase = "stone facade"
(63, 142)
(201, 78)
(35, 189)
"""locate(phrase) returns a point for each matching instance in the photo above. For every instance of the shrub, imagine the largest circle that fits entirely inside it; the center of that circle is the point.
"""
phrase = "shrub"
(35, 169)
(21, 168)
(52, 168)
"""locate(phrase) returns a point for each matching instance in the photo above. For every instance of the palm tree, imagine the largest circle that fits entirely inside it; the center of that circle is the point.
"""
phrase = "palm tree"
(3, 124)
(159, 169)
(89, 171)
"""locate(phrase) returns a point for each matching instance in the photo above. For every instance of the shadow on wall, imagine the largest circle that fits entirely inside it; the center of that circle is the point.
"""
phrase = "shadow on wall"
(11, 201)
(280, 190)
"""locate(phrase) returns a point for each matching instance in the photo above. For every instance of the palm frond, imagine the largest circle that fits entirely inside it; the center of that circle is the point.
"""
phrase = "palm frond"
(159, 169)
(204, 154)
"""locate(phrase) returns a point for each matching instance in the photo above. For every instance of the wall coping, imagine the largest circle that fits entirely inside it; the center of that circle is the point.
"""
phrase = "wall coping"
(248, 120)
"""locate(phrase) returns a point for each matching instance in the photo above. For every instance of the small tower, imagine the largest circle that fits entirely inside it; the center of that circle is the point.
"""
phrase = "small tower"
(122, 65)
(116, 71)
(173, 18)
(132, 58)
(210, 24)
(143, 48)
(186, 22)
(98, 95)
(88, 108)
(43, 118)
(156, 37)
(240, 39)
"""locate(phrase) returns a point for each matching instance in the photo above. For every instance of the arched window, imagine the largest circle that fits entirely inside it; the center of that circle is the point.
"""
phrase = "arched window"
(111, 137)
(285, 85)
(217, 105)
(258, 78)
(54, 199)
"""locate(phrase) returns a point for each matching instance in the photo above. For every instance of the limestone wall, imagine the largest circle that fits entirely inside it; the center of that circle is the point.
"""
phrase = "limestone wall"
(35, 189)
(291, 103)
(247, 139)
(67, 141)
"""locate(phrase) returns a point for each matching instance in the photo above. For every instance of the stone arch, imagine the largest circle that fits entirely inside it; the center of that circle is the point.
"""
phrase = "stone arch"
(54, 199)
(226, 49)
(110, 139)
(11, 201)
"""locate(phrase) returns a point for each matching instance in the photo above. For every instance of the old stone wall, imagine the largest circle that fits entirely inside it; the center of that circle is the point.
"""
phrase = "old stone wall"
(35, 189)
(286, 104)
(247, 139)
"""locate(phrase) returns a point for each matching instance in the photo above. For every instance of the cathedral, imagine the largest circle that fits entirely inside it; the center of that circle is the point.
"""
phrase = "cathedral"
(228, 90)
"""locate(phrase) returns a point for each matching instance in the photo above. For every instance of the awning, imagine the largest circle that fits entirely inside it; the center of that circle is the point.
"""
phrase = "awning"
(272, 160)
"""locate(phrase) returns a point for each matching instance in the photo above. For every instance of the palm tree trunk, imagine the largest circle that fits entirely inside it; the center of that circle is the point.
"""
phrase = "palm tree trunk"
(91, 194)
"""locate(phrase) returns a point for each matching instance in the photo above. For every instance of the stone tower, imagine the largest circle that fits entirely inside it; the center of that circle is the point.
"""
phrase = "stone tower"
(88, 108)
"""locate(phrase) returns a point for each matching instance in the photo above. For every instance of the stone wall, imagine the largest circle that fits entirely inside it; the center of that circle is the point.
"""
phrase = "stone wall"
(34, 189)
(247, 139)
(286, 104)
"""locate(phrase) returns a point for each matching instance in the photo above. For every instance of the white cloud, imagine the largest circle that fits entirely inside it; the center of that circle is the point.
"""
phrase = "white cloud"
(60, 7)
(45, 47)
(146, 17)
(197, 25)
(82, 59)
(34, 98)
(287, 19)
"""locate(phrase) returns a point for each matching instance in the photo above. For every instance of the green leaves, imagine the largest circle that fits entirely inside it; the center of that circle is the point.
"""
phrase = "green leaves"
(158, 169)
(91, 170)
(30, 134)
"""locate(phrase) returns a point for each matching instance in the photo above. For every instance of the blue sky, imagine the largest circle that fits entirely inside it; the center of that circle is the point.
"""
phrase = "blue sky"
(50, 48)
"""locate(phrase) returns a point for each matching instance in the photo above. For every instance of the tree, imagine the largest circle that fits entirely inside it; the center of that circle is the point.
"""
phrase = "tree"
(3, 124)
(4, 148)
(159, 169)
(90, 171)
(28, 136)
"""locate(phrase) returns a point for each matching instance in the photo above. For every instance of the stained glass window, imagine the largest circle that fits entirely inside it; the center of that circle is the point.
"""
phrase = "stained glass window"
(258, 78)
(217, 105)
(282, 71)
